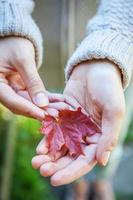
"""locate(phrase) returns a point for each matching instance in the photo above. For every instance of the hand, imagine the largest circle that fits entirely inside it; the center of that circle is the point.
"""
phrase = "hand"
(96, 86)
(65, 169)
(19, 79)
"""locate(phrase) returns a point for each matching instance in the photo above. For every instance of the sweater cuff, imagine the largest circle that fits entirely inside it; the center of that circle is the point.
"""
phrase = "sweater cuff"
(15, 20)
(103, 44)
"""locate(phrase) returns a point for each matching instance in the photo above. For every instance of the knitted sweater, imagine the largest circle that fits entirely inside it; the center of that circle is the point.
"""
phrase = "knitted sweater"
(16, 20)
(109, 35)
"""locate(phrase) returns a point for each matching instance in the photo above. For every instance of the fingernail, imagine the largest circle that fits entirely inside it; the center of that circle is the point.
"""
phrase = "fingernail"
(40, 99)
(105, 157)
(41, 150)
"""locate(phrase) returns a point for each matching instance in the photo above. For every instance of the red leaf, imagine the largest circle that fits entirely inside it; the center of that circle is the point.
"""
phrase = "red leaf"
(69, 130)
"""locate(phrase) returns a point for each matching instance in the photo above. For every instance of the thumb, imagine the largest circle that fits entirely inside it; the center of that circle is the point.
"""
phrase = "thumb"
(111, 125)
(33, 83)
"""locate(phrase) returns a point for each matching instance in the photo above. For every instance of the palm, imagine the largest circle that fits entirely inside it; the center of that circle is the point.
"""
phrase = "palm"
(97, 89)
(79, 90)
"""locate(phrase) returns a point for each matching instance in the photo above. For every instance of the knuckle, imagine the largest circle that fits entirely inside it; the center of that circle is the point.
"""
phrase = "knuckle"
(44, 171)
(113, 144)
(14, 111)
(109, 143)
(29, 113)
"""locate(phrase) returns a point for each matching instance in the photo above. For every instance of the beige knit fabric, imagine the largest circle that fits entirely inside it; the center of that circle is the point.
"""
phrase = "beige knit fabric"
(16, 20)
(109, 35)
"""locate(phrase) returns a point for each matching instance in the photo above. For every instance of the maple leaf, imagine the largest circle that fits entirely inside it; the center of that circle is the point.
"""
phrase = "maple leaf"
(69, 130)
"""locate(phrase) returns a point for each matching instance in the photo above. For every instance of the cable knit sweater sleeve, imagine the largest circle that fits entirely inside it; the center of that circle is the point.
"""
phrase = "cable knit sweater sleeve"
(16, 20)
(109, 35)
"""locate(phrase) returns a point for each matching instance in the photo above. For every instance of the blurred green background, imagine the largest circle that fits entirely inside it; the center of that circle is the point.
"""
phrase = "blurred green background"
(18, 139)
(62, 23)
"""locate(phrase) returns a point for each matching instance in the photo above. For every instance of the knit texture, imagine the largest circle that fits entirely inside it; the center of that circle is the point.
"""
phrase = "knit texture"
(16, 20)
(110, 36)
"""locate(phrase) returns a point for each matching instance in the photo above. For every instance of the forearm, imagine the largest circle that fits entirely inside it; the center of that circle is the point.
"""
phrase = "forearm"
(109, 35)
(16, 20)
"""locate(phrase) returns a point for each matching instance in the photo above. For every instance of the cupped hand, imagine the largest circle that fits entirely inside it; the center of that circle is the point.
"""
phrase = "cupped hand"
(19, 79)
(96, 87)
(65, 169)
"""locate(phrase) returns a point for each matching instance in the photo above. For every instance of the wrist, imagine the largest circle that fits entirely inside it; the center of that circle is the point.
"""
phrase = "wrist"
(97, 68)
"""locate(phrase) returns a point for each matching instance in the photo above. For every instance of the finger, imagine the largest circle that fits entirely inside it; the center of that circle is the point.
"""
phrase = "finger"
(111, 125)
(59, 154)
(33, 82)
(42, 147)
(53, 112)
(48, 169)
(74, 103)
(38, 160)
(56, 106)
(42, 159)
(55, 97)
(93, 139)
(59, 106)
(18, 104)
(5, 68)
(24, 94)
(79, 167)
(58, 101)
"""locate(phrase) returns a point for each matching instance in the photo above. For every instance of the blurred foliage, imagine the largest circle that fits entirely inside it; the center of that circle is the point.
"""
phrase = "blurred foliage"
(3, 131)
(124, 197)
(129, 137)
(27, 184)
